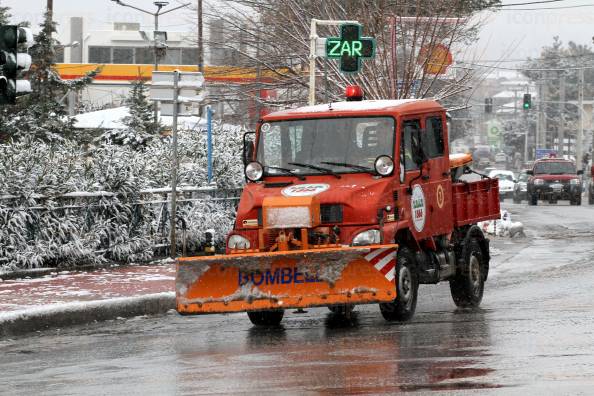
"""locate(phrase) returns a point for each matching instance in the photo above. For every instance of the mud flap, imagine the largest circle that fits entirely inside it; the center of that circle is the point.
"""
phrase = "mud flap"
(295, 279)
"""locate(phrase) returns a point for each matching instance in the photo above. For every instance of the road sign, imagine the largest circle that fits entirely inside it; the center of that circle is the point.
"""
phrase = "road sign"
(350, 48)
(187, 91)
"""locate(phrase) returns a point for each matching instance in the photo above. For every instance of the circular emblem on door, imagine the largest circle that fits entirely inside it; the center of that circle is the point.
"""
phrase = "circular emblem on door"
(304, 190)
(440, 196)
(419, 211)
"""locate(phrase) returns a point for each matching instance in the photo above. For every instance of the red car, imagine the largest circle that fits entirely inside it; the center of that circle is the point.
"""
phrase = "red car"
(552, 179)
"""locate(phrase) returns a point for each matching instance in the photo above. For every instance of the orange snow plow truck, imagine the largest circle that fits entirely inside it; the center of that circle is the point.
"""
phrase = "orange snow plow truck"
(347, 203)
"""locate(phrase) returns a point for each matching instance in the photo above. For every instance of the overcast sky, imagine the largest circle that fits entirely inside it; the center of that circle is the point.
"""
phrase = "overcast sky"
(511, 34)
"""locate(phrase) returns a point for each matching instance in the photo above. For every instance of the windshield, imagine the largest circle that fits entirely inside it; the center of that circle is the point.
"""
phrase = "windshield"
(554, 168)
(354, 143)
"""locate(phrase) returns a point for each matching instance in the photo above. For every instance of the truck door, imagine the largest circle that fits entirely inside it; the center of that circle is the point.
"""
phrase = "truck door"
(412, 178)
(436, 173)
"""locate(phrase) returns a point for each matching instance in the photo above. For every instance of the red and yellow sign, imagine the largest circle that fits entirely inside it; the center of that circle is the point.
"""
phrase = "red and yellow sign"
(112, 72)
(435, 59)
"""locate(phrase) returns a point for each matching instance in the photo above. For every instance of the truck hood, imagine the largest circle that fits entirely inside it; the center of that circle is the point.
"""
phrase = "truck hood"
(360, 195)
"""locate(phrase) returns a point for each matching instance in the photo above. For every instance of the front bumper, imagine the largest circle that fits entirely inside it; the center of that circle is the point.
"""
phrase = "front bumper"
(556, 191)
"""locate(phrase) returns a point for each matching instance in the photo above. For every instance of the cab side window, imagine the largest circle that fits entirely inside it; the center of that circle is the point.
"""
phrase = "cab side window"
(410, 144)
(433, 140)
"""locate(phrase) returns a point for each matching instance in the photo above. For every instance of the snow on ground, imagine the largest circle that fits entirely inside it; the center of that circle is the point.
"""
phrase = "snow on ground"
(67, 287)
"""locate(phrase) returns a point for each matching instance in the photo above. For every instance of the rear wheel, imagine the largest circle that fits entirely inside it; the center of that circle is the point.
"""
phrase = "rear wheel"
(342, 310)
(468, 285)
(407, 286)
(266, 318)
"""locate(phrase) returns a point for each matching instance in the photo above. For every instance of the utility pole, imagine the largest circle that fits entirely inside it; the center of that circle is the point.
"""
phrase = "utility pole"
(174, 166)
(580, 137)
(561, 127)
(200, 39)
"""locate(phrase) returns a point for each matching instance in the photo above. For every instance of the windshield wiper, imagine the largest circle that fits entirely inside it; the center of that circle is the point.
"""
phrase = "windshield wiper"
(318, 168)
(356, 167)
(286, 171)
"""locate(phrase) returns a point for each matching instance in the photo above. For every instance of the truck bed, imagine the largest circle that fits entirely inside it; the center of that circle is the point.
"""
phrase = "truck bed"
(475, 201)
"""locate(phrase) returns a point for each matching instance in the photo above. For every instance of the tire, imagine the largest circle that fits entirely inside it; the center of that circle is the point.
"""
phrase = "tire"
(532, 200)
(403, 307)
(266, 318)
(590, 199)
(342, 310)
(469, 283)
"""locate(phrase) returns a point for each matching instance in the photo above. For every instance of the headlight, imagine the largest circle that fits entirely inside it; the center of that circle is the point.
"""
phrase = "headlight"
(238, 242)
(369, 237)
(384, 165)
(538, 182)
(574, 182)
(254, 171)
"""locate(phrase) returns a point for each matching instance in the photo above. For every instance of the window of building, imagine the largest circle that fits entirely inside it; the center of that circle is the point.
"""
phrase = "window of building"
(173, 57)
(189, 56)
(123, 55)
(99, 55)
(145, 56)
(433, 139)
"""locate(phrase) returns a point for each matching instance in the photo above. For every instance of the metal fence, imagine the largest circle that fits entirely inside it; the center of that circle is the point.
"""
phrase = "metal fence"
(146, 213)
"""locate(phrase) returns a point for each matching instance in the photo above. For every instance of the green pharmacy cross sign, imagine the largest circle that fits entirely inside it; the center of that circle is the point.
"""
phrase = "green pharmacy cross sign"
(350, 48)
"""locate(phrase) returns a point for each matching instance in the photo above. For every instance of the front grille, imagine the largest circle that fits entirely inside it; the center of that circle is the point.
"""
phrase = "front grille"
(331, 213)
(395, 196)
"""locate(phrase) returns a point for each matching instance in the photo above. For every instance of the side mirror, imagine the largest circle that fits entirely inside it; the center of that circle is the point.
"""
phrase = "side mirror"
(248, 148)
(530, 172)
(580, 172)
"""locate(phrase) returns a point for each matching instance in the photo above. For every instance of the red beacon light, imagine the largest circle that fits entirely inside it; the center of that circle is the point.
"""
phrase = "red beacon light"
(354, 93)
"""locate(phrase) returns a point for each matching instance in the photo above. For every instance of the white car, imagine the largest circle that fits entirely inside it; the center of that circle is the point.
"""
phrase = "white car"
(507, 181)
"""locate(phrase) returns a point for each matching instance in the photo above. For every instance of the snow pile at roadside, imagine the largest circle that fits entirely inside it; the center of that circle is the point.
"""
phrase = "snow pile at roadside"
(503, 227)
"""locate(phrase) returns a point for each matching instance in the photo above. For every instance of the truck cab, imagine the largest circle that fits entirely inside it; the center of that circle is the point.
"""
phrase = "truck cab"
(348, 203)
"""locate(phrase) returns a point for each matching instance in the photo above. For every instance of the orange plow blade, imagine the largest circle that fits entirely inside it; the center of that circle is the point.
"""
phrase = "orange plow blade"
(292, 279)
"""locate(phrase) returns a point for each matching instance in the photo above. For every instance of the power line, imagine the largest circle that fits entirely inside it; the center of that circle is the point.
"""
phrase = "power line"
(530, 3)
(547, 8)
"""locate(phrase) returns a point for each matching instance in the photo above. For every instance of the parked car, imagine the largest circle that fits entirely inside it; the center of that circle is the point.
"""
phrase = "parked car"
(521, 188)
(553, 179)
(506, 182)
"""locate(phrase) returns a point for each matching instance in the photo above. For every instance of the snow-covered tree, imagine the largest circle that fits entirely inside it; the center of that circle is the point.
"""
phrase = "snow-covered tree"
(140, 124)
(4, 15)
(272, 37)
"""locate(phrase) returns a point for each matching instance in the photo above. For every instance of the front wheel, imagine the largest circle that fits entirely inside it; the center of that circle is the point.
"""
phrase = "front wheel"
(469, 283)
(407, 286)
(266, 318)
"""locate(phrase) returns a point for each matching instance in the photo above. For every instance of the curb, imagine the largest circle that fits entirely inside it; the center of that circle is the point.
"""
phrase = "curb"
(76, 313)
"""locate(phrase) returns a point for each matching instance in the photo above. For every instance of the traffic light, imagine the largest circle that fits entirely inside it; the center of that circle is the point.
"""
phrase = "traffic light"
(527, 102)
(488, 105)
(13, 63)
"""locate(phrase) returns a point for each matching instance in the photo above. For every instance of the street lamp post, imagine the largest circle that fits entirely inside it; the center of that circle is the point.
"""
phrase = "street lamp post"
(159, 5)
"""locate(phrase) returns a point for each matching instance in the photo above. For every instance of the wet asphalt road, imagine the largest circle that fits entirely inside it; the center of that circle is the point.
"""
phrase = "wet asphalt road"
(534, 334)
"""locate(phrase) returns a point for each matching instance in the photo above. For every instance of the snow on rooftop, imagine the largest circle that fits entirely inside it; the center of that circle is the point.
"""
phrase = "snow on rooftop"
(112, 119)
(351, 106)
